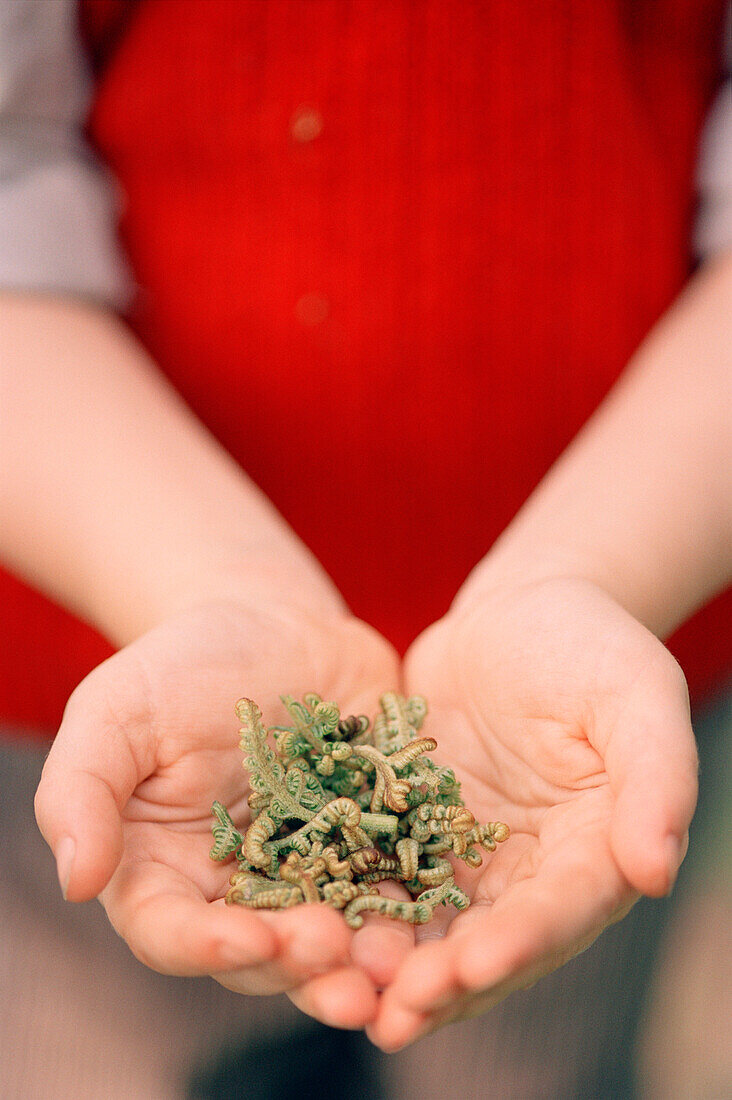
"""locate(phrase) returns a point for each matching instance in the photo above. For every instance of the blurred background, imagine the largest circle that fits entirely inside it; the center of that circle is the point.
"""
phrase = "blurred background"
(207, 168)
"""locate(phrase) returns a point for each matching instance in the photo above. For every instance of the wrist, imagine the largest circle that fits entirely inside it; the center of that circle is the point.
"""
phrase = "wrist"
(511, 566)
(121, 506)
(280, 575)
(638, 504)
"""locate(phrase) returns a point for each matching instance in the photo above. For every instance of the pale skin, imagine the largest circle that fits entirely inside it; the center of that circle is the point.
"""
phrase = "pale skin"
(549, 691)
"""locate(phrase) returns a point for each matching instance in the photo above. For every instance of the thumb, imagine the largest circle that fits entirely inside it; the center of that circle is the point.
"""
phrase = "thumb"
(92, 769)
(652, 764)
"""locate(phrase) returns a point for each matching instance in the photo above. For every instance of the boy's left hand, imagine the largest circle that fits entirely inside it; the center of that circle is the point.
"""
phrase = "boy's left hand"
(147, 743)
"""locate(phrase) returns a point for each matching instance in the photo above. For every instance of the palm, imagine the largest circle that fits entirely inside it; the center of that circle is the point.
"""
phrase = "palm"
(534, 699)
(165, 706)
(194, 669)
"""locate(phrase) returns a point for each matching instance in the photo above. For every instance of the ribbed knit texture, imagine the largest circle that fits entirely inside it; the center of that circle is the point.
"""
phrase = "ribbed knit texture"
(397, 323)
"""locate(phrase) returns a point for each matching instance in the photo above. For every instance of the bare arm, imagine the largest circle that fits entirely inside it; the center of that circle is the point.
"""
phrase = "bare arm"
(115, 499)
(641, 502)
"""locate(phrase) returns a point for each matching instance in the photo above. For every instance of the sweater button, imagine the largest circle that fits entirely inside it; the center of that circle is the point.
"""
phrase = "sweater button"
(312, 309)
(306, 124)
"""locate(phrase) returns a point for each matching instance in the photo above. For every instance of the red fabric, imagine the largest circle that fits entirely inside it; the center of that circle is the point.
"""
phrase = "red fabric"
(397, 326)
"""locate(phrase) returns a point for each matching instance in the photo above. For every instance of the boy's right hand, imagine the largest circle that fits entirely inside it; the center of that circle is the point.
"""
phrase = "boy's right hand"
(149, 740)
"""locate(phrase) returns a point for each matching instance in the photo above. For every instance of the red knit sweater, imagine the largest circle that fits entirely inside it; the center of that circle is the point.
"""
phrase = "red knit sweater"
(393, 253)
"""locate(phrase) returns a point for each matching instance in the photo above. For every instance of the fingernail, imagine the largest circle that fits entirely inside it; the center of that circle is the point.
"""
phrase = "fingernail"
(65, 853)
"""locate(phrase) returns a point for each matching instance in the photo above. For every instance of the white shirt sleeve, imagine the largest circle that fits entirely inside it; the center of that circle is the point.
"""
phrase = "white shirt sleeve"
(713, 229)
(58, 205)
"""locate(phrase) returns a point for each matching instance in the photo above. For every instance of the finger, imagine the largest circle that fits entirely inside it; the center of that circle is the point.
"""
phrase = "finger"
(401, 1028)
(542, 921)
(89, 775)
(397, 1026)
(169, 925)
(652, 764)
(381, 944)
(312, 941)
(406, 1026)
(426, 981)
(345, 998)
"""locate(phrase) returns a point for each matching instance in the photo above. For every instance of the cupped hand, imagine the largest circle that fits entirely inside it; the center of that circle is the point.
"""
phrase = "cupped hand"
(149, 740)
(565, 718)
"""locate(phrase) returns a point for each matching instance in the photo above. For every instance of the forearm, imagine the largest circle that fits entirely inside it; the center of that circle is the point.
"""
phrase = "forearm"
(114, 499)
(640, 501)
